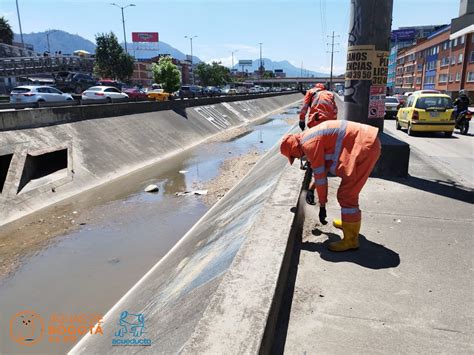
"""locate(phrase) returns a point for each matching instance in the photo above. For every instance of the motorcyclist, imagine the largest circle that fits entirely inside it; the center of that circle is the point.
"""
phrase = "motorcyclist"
(462, 104)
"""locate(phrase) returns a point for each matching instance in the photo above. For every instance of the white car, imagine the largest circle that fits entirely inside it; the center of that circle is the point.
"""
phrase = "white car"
(38, 94)
(108, 93)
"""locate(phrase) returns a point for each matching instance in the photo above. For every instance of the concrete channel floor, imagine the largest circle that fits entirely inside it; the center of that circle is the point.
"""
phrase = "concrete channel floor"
(408, 289)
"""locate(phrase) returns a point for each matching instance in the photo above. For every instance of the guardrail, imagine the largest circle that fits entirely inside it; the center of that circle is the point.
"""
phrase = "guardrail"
(49, 116)
(37, 65)
(78, 101)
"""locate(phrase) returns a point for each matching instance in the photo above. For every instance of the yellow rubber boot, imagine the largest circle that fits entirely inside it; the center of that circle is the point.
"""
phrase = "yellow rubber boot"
(350, 240)
(337, 223)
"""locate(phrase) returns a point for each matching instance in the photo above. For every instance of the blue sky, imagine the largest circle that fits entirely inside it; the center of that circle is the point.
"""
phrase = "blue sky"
(294, 30)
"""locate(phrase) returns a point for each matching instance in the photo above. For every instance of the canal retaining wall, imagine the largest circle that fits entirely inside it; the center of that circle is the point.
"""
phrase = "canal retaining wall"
(44, 165)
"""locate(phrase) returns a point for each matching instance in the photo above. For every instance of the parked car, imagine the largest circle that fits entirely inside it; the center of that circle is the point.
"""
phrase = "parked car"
(212, 91)
(427, 113)
(136, 94)
(158, 95)
(400, 98)
(391, 107)
(189, 91)
(253, 90)
(110, 82)
(108, 93)
(230, 91)
(38, 94)
(74, 82)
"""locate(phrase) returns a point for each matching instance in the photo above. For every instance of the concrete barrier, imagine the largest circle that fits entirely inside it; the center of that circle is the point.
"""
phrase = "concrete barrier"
(45, 165)
(48, 116)
(217, 290)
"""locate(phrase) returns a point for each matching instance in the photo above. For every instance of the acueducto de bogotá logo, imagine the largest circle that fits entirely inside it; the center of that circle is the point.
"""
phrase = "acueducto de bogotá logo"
(28, 327)
(131, 330)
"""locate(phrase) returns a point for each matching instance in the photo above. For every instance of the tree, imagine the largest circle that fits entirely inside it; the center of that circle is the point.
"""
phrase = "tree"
(110, 59)
(166, 74)
(212, 74)
(6, 33)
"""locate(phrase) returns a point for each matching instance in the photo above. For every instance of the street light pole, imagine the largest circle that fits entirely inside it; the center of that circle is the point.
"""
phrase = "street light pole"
(19, 23)
(261, 63)
(192, 66)
(233, 58)
(47, 38)
(123, 22)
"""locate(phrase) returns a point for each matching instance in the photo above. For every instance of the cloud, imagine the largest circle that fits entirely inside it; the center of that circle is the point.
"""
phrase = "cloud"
(337, 69)
(225, 61)
(244, 48)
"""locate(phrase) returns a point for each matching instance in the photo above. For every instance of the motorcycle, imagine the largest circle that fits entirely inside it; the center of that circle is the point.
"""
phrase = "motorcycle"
(462, 121)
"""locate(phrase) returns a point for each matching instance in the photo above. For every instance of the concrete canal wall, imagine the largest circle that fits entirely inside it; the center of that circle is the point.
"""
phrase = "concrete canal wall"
(44, 165)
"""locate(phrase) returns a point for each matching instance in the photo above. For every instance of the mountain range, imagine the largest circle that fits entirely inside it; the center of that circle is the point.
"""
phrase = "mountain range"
(67, 43)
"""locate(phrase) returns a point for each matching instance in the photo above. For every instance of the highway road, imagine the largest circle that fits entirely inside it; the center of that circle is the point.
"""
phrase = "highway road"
(453, 156)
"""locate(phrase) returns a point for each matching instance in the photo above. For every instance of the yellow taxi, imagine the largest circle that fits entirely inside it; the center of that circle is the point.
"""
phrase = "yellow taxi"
(427, 111)
(158, 95)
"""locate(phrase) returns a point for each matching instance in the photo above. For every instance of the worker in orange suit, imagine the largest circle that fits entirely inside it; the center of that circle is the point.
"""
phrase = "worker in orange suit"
(346, 149)
(321, 105)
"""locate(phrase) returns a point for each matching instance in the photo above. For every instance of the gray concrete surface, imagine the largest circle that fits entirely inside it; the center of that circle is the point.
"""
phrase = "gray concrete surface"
(175, 293)
(104, 149)
(409, 288)
(240, 318)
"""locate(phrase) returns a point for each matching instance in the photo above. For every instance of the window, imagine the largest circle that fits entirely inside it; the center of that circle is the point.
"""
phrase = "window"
(410, 101)
(458, 76)
(445, 45)
(470, 77)
(419, 67)
(429, 102)
(445, 61)
(453, 60)
(450, 78)
(462, 39)
(471, 57)
(418, 80)
(443, 78)
(455, 42)
(460, 58)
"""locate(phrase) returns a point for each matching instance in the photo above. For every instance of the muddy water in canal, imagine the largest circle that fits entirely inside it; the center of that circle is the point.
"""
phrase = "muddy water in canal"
(119, 233)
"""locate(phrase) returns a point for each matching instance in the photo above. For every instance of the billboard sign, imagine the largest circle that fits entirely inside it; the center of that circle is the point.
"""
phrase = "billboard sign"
(151, 37)
(278, 70)
(245, 62)
(403, 35)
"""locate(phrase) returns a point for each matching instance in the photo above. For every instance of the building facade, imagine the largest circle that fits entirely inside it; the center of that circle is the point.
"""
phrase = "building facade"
(443, 61)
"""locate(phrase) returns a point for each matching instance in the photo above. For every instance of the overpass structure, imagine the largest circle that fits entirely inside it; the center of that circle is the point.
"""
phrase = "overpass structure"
(21, 66)
(297, 80)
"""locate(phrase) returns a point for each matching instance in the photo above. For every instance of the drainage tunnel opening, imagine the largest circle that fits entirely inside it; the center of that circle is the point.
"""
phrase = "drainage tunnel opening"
(5, 161)
(40, 166)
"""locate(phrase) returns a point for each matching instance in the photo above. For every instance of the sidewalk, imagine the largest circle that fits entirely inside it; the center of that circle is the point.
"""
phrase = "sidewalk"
(408, 289)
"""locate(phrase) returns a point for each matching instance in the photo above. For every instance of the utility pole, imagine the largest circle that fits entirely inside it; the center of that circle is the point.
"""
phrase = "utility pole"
(192, 67)
(367, 61)
(261, 61)
(301, 71)
(332, 57)
(123, 22)
(19, 24)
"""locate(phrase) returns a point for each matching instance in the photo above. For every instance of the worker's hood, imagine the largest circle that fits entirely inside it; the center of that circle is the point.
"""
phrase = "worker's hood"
(290, 147)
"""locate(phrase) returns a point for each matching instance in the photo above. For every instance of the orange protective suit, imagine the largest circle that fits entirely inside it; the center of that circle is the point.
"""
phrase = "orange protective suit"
(321, 105)
(346, 149)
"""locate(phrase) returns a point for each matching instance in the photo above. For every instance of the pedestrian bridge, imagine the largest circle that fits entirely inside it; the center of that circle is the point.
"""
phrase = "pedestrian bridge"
(297, 80)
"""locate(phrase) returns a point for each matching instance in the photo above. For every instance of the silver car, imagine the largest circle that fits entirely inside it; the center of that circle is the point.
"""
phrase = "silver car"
(37, 94)
(109, 93)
